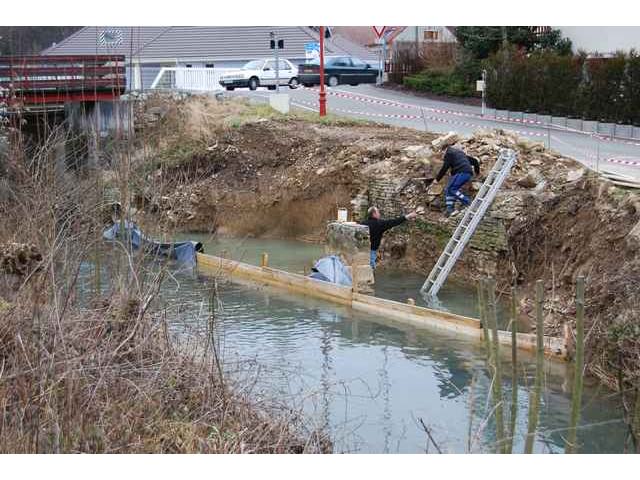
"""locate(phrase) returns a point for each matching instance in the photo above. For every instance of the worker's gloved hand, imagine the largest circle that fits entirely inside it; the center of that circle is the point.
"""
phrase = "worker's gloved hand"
(410, 216)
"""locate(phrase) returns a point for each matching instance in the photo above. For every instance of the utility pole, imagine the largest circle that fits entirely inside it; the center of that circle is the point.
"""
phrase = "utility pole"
(323, 94)
(484, 89)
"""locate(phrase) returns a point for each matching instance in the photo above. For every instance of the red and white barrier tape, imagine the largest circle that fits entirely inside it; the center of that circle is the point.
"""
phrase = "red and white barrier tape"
(415, 117)
(391, 103)
(631, 163)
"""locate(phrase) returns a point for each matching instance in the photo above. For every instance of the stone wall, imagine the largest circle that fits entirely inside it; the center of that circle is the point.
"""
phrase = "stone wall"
(417, 245)
(382, 194)
(351, 242)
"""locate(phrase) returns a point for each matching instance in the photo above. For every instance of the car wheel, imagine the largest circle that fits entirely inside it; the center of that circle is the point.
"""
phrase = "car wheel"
(333, 81)
(230, 88)
(253, 83)
(293, 83)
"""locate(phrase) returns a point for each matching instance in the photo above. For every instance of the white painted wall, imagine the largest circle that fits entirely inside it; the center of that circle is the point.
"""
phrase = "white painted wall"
(409, 34)
(603, 39)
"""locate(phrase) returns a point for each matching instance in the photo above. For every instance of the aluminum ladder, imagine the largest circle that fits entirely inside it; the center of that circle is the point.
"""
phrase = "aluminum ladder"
(473, 214)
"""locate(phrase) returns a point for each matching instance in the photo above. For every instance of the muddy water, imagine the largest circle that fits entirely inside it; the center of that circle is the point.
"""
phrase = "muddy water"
(368, 380)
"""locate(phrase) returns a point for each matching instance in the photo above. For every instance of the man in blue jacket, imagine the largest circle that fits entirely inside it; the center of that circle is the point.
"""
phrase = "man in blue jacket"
(462, 167)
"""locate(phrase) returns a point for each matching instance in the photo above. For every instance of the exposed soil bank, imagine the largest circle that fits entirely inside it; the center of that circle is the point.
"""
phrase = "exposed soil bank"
(257, 173)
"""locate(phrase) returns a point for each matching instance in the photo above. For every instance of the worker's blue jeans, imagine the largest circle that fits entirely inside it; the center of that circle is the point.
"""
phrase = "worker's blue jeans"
(372, 258)
(453, 193)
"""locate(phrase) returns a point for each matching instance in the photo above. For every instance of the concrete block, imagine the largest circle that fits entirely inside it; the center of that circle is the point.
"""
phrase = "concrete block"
(348, 239)
(605, 128)
(574, 123)
(280, 102)
(624, 131)
(589, 126)
(544, 119)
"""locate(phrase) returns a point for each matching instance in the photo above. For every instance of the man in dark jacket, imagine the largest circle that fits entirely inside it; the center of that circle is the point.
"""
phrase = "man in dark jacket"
(377, 227)
(462, 167)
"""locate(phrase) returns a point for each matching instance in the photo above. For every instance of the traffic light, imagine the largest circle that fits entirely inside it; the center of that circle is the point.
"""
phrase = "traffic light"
(280, 44)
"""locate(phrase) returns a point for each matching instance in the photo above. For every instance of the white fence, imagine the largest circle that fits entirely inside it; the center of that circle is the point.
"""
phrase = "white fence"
(189, 79)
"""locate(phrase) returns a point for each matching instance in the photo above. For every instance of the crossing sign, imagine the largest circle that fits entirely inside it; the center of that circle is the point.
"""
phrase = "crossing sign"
(379, 31)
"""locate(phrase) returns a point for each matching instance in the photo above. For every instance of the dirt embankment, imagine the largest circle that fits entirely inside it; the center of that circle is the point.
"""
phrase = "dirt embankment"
(266, 175)
(263, 176)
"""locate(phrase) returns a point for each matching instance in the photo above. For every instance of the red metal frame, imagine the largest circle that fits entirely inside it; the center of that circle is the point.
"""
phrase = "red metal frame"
(47, 79)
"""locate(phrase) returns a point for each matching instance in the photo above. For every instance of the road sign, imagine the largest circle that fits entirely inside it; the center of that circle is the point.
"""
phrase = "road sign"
(312, 50)
(480, 86)
(379, 31)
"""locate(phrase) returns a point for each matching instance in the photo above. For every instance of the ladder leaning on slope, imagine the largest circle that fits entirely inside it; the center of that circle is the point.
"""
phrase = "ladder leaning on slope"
(469, 222)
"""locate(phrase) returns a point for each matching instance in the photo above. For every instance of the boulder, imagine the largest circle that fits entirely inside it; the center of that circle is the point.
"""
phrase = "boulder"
(417, 151)
(436, 188)
(575, 175)
(531, 179)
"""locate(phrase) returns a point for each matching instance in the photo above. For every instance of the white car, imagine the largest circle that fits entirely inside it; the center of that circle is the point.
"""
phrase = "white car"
(261, 73)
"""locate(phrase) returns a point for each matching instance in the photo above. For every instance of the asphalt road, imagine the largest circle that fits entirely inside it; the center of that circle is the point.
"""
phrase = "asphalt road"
(368, 102)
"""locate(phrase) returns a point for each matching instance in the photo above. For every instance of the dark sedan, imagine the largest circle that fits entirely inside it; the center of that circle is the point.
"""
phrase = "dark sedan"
(337, 71)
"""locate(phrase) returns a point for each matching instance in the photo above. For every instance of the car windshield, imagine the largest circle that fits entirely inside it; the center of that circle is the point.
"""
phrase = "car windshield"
(253, 65)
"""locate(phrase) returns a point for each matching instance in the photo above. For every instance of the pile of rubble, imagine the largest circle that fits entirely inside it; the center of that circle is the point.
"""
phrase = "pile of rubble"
(537, 171)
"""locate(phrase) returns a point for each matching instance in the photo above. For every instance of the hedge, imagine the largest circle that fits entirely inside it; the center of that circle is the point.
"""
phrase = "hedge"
(439, 82)
(605, 89)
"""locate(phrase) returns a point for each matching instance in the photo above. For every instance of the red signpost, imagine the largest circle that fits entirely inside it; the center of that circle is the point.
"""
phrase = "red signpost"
(323, 94)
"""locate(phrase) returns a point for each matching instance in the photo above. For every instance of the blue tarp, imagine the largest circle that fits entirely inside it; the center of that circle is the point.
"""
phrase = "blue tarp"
(331, 269)
(183, 252)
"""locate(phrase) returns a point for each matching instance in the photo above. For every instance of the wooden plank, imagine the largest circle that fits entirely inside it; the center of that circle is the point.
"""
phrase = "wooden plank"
(419, 319)
(405, 313)
(404, 308)
(269, 276)
(553, 347)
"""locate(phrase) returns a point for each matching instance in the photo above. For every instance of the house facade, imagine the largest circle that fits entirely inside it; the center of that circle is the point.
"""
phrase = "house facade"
(426, 34)
(148, 49)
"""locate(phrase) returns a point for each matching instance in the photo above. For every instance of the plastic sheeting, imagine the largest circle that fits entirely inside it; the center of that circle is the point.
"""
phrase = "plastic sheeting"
(331, 269)
(183, 252)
